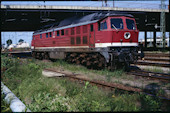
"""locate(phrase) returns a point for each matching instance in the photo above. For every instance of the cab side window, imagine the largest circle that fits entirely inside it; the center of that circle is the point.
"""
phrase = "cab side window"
(46, 35)
(50, 34)
(62, 32)
(58, 33)
(40, 36)
(103, 25)
(91, 27)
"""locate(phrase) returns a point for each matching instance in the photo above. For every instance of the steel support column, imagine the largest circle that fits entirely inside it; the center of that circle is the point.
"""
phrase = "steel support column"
(154, 39)
(162, 22)
(145, 38)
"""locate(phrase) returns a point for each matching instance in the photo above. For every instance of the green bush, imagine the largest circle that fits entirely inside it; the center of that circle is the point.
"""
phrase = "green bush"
(33, 66)
(149, 103)
(46, 102)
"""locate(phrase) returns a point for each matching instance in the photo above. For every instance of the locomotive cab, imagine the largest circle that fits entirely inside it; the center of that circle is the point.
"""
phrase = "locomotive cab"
(119, 30)
(122, 32)
(126, 31)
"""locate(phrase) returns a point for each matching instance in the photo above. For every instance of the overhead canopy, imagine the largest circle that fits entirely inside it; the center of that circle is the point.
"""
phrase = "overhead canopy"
(31, 18)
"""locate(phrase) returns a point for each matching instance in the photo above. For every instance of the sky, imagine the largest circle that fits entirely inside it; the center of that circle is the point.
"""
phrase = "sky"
(27, 36)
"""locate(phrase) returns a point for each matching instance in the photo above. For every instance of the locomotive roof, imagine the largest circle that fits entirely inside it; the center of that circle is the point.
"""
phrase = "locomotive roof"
(77, 21)
(90, 17)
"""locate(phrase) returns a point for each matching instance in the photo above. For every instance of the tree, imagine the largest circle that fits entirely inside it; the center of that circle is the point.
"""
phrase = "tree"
(9, 42)
(21, 40)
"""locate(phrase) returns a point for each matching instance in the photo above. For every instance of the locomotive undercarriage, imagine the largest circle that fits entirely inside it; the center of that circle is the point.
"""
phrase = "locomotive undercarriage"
(111, 58)
(123, 57)
(90, 60)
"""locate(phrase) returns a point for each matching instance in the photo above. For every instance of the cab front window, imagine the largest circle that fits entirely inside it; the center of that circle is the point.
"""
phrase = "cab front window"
(130, 24)
(116, 23)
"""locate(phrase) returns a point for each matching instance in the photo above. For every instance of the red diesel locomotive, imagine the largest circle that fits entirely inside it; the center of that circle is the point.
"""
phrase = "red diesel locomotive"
(97, 40)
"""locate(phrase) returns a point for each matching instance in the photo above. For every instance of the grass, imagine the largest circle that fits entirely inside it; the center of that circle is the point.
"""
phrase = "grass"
(41, 94)
(81, 69)
(156, 69)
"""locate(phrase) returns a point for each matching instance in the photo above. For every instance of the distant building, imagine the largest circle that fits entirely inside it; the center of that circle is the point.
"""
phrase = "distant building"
(158, 42)
(11, 46)
(23, 45)
(19, 45)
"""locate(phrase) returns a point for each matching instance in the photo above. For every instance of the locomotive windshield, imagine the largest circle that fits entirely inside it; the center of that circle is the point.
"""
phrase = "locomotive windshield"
(116, 23)
(130, 24)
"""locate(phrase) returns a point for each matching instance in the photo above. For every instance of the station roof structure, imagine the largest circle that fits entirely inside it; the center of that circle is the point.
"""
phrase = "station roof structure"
(33, 17)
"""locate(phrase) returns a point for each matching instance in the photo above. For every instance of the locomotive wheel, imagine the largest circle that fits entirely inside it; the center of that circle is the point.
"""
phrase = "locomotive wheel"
(43, 55)
(37, 55)
(73, 57)
(77, 62)
(127, 66)
(102, 62)
(83, 55)
(99, 61)
(68, 58)
(46, 56)
(73, 60)
(33, 54)
(88, 61)
(88, 64)
(91, 60)
(83, 62)
(113, 66)
(40, 56)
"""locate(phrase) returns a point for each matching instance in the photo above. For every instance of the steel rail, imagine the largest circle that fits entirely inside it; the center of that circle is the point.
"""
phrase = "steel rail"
(157, 59)
(157, 55)
(160, 76)
(108, 85)
(153, 64)
(164, 74)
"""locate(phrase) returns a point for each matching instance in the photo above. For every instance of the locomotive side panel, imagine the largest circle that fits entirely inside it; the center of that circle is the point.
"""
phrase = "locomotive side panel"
(75, 37)
(103, 35)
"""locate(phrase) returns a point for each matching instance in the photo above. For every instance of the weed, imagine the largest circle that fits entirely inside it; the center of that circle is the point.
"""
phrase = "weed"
(43, 94)
(154, 69)
(149, 103)
(44, 101)
(123, 103)
(86, 84)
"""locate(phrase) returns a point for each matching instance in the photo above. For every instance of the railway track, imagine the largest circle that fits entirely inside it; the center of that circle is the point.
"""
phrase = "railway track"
(154, 75)
(155, 59)
(152, 64)
(157, 54)
(99, 83)
(105, 84)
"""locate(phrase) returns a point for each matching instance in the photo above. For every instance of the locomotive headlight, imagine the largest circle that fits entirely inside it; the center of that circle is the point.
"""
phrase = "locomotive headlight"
(127, 35)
